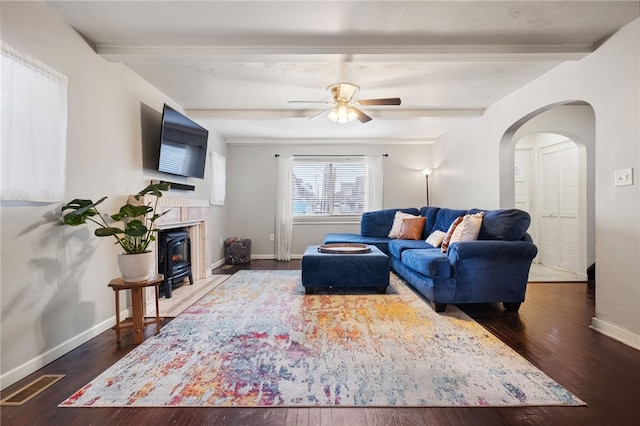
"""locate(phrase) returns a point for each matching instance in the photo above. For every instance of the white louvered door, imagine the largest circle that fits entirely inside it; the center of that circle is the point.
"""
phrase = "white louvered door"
(559, 205)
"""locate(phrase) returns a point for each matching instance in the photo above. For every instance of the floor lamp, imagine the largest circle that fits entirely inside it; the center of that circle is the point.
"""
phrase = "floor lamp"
(426, 173)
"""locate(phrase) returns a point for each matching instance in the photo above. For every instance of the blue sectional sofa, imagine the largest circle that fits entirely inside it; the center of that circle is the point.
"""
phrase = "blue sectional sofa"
(493, 268)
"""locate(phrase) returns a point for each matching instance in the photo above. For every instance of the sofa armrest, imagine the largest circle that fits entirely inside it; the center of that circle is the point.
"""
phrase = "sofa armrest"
(491, 271)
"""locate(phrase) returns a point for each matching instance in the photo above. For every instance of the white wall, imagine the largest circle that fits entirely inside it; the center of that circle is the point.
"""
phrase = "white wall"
(608, 80)
(252, 188)
(53, 287)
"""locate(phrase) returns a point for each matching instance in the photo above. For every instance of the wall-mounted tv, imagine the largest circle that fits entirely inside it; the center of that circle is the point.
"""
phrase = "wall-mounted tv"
(183, 145)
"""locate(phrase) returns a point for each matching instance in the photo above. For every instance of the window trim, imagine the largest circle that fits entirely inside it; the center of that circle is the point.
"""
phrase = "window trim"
(327, 220)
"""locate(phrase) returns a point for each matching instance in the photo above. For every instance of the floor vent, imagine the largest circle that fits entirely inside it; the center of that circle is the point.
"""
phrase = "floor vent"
(227, 267)
(32, 389)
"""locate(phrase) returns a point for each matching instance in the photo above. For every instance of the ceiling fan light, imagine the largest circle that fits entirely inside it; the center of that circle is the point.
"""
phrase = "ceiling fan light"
(333, 115)
(342, 114)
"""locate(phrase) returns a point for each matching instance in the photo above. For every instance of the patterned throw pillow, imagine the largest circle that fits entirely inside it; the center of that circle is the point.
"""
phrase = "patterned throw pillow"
(447, 238)
(412, 228)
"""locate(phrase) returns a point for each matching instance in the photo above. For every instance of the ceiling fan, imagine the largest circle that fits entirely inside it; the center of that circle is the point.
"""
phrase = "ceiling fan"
(344, 108)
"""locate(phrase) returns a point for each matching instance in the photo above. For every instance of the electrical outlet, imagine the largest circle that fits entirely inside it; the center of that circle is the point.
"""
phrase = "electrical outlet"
(221, 241)
(272, 237)
(624, 177)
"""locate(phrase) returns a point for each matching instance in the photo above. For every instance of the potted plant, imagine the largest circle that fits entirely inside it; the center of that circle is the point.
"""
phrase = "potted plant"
(138, 230)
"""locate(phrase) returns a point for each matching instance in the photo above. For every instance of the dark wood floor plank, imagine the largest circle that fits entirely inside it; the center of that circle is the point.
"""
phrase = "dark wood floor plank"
(291, 417)
(551, 331)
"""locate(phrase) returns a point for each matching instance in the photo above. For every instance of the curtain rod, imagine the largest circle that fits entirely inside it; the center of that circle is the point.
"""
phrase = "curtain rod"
(327, 155)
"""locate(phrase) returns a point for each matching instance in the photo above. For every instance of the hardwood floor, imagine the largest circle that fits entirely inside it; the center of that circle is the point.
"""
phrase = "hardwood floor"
(551, 331)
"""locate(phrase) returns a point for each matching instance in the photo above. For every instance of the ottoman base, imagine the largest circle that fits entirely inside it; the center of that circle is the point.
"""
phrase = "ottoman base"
(324, 270)
(312, 289)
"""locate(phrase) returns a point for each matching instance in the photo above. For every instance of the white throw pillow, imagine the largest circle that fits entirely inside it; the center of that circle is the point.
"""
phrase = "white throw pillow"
(435, 239)
(468, 229)
(397, 223)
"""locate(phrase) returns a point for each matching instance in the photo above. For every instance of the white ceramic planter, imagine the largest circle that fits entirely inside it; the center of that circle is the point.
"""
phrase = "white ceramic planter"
(137, 267)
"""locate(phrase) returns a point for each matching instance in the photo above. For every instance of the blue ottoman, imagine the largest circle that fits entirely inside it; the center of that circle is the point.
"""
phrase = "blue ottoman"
(323, 270)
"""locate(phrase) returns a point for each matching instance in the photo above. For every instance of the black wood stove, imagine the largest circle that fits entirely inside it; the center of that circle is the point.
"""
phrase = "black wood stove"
(174, 259)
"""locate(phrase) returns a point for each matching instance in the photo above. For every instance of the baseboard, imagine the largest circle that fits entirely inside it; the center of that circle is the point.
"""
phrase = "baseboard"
(263, 256)
(34, 364)
(615, 332)
(259, 257)
(273, 256)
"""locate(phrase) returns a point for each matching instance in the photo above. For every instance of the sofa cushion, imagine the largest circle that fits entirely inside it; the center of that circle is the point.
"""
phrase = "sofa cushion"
(378, 223)
(411, 228)
(445, 218)
(507, 225)
(430, 213)
(396, 247)
(430, 262)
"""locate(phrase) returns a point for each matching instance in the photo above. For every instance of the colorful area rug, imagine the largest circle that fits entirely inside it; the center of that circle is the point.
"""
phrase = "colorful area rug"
(186, 295)
(258, 340)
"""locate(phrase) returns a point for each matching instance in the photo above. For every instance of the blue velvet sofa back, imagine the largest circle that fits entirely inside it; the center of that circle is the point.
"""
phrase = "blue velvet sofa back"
(377, 224)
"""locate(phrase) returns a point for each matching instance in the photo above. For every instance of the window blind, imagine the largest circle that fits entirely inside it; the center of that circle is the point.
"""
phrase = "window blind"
(325, 186)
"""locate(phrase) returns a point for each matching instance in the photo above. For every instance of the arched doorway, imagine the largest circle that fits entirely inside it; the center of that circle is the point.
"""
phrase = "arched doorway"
(557, 140)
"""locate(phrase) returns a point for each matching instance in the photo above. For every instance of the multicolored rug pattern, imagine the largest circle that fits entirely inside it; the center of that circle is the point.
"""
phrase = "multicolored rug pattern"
(258, 340)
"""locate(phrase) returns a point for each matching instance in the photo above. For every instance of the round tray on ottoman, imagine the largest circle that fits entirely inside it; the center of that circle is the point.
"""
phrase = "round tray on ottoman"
(344, 248)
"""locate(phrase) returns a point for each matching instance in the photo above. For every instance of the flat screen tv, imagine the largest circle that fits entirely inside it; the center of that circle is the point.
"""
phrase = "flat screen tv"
(183, 145)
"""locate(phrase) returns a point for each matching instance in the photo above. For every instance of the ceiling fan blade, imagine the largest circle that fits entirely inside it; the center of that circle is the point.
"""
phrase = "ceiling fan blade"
(361, 116)
(318, 114)
(383, 101)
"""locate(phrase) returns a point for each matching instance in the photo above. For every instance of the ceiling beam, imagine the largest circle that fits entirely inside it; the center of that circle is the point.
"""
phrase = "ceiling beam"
(354, 52)
(264, 114)
(328, 141)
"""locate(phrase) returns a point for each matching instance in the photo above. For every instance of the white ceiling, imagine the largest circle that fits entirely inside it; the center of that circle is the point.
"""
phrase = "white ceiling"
(235, 64)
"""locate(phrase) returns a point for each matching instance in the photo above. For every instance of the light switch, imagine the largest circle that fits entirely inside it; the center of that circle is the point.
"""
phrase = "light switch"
(624, 177)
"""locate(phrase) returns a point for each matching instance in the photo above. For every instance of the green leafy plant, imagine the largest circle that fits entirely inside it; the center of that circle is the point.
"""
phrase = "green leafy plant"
(138, 229)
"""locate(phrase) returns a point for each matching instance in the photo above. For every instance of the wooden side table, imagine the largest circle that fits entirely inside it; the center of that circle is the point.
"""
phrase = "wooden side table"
(138, 321)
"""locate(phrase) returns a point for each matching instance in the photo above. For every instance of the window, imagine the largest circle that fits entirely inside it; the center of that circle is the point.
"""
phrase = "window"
(34, 129)
(329, 186)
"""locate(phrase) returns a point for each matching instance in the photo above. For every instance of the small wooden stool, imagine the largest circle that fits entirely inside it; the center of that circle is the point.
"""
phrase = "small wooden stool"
(137, 322)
